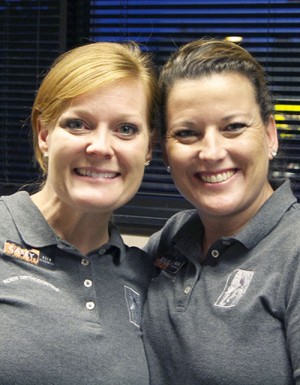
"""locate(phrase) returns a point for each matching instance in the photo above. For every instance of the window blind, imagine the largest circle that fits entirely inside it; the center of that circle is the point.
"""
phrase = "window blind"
(32, 34)
(269, 30)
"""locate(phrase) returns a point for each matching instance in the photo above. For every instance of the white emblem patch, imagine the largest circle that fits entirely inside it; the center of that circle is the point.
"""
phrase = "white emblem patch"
(236, 286)
(133, 305)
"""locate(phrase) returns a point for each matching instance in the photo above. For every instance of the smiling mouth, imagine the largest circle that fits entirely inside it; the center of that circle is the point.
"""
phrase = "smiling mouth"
(96, 175)
(217, 178)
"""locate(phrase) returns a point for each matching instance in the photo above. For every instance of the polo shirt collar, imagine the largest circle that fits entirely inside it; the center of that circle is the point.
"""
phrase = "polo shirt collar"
(188, 238)
(268, 216)
(31, 224)
(37, 233)
(115, 240)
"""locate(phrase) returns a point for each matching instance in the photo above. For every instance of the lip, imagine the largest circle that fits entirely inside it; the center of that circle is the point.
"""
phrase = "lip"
(216, 177)
(87, 172)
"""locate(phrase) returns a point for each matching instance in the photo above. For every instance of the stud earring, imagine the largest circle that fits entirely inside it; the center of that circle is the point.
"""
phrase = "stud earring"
(45, 155)
(273, 153)
(147, 163)
(169, 169)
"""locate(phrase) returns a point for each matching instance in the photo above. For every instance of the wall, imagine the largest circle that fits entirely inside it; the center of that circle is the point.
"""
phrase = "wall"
(134, 240)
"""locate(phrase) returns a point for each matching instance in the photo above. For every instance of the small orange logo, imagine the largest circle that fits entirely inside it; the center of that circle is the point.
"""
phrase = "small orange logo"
(17, 251)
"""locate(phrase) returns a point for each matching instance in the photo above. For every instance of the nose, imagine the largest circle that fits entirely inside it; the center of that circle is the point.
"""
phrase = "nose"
(212, 146)
(100, 143)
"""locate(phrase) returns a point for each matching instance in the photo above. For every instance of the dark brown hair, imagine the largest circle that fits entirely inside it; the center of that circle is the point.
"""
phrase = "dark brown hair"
(205, 57)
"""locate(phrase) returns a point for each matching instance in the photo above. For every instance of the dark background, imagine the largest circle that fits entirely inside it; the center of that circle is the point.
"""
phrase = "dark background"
(34, 33)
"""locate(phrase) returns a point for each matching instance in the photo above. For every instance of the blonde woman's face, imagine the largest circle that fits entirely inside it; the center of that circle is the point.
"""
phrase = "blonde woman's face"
(98, 148)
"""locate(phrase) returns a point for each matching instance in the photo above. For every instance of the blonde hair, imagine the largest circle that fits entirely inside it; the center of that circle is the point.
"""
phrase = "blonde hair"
(86, 69)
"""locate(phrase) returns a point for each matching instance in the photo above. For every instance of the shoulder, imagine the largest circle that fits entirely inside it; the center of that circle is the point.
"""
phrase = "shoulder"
(139, 266)
(138, 256)
(11, 208)
(18, 199)
(16, 204)
(285, 202)
(178, 223)
(130, 256)
(8, 203)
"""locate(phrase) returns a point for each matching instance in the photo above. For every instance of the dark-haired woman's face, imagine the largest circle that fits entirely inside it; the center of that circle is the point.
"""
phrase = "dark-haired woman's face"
(217, 145)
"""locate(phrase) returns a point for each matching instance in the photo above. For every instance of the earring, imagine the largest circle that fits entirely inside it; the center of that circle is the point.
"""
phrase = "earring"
(147, 163)
(169, 169)
(273, 153)
(45, 155)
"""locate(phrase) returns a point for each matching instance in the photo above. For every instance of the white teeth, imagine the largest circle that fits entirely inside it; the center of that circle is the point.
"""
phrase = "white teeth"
(217, 178)
(93, 174)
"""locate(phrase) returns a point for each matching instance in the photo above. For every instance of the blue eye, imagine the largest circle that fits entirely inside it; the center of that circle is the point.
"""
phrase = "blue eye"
(73, 124)
(127, 129)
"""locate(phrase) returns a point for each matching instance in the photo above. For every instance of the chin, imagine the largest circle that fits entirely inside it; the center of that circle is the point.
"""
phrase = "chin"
(218, 207)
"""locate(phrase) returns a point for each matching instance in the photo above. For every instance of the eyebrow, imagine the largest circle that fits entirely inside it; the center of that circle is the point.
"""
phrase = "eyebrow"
(87, 113)
(187, 123)
(237, 115)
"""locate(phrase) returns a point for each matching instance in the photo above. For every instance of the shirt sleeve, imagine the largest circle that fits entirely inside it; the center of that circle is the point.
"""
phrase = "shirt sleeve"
(291, 287)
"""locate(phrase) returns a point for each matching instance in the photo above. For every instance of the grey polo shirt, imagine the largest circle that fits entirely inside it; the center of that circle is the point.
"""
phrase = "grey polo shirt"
(67, 318)
(235, 319)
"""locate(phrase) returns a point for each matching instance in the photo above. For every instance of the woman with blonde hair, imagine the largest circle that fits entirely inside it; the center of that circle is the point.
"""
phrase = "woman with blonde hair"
(71, 290)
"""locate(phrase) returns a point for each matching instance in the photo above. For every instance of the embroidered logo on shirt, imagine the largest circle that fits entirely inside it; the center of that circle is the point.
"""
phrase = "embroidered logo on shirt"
(22, 278)
(32, 256)
(169, 265)
(17, 251)
(236, 286)
(133, 305)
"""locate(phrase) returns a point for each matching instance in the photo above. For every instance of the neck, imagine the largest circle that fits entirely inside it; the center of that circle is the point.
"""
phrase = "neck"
(84, 230)
(218, 226)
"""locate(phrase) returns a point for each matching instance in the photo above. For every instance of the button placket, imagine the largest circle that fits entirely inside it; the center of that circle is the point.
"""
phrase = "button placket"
(90, 305)
(88, 283)
(184, 284)
(187, 290)
(85, 262)
(215, 253)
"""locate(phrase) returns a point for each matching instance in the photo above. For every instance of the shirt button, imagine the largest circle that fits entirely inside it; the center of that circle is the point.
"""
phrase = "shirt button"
(88, 283)
(85, 262)
(187, 290)
(101, 252)
(215, 253)
(90, 305)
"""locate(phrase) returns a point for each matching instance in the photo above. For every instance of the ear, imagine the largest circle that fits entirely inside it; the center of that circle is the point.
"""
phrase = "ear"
(149, 153)
(272, 137)
(164, 153)
(152, 144)
(43, 133)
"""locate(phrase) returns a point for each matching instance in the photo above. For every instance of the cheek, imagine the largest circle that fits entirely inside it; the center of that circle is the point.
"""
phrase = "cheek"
(178, 154)
(58, 154)
(257, 139)
(59, 159)
(133, 157)
(138, 149)
(251, 157)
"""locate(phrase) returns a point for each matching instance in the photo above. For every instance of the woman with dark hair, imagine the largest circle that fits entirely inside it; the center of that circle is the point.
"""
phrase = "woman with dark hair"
(225, 308)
